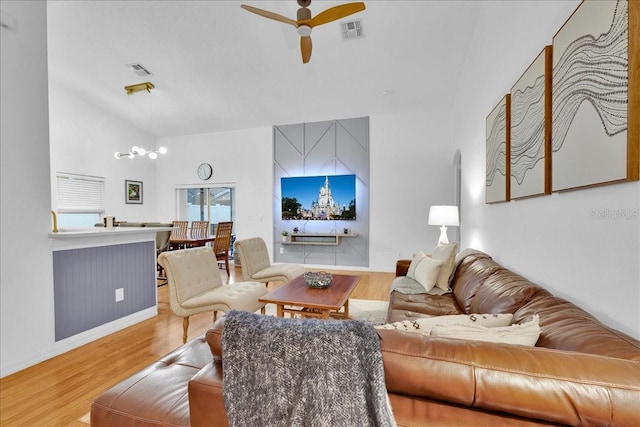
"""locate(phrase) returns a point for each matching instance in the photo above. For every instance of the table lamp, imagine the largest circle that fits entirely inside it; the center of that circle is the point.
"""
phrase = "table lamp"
(443, 216)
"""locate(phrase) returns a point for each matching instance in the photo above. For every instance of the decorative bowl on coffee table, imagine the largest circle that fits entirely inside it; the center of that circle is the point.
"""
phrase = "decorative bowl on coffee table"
(318, 280)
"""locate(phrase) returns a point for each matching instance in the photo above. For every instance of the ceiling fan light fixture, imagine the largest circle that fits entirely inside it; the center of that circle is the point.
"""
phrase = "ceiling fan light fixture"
(304, 31)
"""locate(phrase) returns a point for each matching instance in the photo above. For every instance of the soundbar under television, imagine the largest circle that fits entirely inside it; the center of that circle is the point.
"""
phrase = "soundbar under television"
(325, 197)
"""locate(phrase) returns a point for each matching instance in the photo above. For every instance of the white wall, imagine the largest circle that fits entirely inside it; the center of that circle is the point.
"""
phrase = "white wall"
(553, 240)
(241, 159)
(83, 140)
(42, 134)
(411, 169)
(26, 283)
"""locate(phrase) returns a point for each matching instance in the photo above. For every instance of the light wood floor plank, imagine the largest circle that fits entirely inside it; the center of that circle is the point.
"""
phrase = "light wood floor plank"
(59, 391)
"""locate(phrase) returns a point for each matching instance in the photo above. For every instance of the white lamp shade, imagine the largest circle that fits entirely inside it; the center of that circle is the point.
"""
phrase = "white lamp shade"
(443, 215)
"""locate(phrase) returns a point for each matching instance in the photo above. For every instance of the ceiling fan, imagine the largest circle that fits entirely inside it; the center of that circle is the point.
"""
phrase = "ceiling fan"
(305, 22)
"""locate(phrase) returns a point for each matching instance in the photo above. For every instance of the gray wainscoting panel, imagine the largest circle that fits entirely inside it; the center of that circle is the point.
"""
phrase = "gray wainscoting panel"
(335, 147)
(85, 282)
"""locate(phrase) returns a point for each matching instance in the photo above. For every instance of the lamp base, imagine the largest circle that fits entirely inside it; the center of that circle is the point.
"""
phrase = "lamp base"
(443, 236)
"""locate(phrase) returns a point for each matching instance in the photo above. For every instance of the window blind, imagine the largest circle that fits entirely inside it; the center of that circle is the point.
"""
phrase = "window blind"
(79, 193)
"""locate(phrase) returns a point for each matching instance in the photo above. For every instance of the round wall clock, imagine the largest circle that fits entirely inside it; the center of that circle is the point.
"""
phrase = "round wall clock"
(205, 171)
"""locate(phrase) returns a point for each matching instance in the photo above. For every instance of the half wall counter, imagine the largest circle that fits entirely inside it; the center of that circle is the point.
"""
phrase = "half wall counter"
(104, 280)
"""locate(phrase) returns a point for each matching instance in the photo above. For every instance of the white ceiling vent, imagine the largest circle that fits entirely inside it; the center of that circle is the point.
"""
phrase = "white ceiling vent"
(139, 69)
(351, 30)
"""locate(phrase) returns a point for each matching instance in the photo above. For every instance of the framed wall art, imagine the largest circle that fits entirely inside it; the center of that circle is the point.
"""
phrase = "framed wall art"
(497, 166)
(595, 92)
(530, 142)
(133, 192)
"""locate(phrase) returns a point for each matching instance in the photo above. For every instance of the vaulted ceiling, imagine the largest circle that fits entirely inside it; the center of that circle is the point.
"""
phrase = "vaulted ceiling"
(218, 67)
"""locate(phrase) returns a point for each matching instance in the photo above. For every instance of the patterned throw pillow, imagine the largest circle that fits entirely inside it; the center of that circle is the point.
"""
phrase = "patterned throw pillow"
(424, 325)
(522, 334)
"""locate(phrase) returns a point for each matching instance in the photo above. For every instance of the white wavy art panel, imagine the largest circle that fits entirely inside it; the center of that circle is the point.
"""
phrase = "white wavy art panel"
(496, 167)
(528, 131)
(589, 107)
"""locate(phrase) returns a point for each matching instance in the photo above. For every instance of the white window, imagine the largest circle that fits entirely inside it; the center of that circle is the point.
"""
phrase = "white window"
(80, 199)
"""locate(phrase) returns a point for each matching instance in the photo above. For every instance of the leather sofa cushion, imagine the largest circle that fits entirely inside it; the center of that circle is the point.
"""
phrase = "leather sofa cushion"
(414, 411)
(156, 395)
(415, 306)
(565, 388)
(504, 292)
(567, 327)
(470, 273)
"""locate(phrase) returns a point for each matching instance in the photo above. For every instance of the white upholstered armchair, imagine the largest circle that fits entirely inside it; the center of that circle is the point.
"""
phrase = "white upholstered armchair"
(195, 286)
(256, 265)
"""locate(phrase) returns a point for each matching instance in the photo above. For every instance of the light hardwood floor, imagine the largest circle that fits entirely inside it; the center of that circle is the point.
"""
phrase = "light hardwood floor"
(59, 391)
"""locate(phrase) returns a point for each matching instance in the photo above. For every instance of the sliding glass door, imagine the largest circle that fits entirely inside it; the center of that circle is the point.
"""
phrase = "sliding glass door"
(213, 204)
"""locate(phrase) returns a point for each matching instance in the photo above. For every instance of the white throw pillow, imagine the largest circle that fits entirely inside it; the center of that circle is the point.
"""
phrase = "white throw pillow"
(424, 325)
(426, 272)
(521, 334)
(414, 263)
(446, 254)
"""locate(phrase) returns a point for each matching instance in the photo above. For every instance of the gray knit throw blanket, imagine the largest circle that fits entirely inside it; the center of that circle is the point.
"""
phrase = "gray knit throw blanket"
(302, 372)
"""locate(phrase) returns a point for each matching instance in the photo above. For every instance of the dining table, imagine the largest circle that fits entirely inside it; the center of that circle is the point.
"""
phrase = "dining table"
(190, 241)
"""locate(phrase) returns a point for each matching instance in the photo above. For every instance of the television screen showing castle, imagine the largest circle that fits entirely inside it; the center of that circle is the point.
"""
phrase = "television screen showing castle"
(326, 197)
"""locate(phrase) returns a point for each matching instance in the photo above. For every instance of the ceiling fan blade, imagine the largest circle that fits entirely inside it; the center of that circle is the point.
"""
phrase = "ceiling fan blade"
(334, 13)
(270, 15)
(305, 48)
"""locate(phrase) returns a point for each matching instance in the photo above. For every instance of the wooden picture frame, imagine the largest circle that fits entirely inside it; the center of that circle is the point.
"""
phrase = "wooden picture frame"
(133, 192)
(530, 137)
(593, 141)
(498, 151)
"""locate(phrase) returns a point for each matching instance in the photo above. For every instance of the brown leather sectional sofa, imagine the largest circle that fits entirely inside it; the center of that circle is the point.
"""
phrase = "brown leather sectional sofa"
(581, 372)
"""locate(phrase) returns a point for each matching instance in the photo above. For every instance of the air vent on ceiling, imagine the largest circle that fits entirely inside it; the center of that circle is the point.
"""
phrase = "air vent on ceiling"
(351, 30)
(139, 69)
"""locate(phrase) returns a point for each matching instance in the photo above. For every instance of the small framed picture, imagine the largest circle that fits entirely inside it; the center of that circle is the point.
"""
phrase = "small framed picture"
(133, 192)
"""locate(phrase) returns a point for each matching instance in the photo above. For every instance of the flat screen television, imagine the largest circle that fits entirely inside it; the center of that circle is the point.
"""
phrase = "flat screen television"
(323, 197)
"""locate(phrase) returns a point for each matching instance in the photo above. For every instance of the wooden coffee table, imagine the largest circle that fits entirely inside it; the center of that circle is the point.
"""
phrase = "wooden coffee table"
(295, 297)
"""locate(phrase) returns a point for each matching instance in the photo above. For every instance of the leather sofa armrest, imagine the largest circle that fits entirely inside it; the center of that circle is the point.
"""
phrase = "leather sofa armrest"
(206, 403)
(214, 339)
(402, 267)
(556, 386)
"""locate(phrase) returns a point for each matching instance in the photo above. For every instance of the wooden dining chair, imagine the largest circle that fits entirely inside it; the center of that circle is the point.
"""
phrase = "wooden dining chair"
(179, 231)
(222, 243)
(199, 230)
(162, 245)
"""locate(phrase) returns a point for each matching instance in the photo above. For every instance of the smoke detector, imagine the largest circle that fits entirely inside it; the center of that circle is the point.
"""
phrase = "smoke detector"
(139, 69)
(351, 30)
